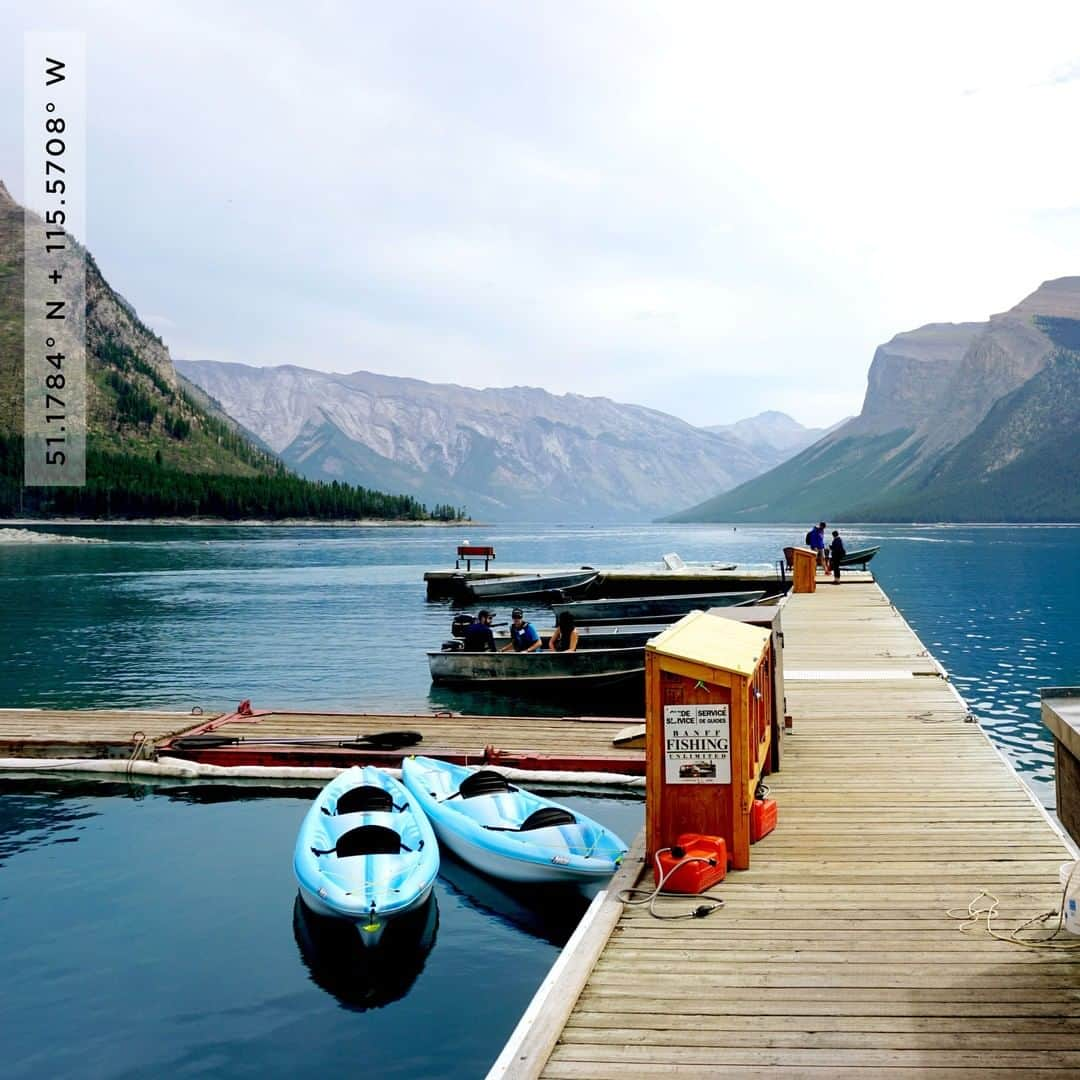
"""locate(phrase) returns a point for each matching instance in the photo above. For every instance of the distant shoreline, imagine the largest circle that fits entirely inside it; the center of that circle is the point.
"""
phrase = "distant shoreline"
(357, 523)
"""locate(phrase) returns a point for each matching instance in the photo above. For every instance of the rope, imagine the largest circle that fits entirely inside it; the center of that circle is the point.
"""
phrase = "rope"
(139, 742)
(699, 912)
(977, 915)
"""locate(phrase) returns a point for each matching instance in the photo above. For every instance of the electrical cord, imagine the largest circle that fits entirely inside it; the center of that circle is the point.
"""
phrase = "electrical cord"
(976, 915)
(651, 895)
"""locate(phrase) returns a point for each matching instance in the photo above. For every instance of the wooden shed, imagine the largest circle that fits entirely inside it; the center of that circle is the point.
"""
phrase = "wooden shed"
(708, 717)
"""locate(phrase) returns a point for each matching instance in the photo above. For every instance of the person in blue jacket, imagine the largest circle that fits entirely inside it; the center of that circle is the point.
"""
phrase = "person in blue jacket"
(815, 540)
(478, 636)
(523, 635)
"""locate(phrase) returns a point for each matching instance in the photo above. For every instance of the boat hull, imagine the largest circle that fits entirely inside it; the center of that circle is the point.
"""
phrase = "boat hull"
(651, 608)
(605, 635)
(860, 557)
(539, 669)
(526, 586)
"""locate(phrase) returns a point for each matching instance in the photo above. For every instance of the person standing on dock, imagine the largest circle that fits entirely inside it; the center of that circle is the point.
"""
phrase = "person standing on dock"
(477, 636)
(837, 552)
(815, 540)
(523, 635)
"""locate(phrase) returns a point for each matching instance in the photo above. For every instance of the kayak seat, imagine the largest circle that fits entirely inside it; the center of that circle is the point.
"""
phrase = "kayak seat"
(484, 782)
(364, 798)
(369, 840)
(545, 818)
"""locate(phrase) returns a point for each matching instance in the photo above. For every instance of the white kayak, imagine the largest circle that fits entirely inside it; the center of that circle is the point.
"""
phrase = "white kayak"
(507, 832)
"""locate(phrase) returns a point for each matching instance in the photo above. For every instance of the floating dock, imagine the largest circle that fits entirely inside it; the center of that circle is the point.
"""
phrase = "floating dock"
(834, 955)
(307, 739)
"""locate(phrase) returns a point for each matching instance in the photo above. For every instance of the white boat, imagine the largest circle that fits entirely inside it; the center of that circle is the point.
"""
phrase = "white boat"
(652, 608)
(507, 832)
(531, 585)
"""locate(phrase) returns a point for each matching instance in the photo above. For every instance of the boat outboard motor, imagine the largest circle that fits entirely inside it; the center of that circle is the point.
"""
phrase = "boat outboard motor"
(457, 628)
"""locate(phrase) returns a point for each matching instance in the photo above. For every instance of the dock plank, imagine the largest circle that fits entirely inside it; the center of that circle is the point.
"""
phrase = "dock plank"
(834, 955)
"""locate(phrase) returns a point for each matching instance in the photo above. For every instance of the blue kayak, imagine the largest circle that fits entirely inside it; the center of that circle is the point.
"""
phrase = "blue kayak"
(507, 832)
(365, 852)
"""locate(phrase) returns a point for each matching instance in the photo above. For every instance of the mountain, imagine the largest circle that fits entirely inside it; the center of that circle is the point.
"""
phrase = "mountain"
(155, 444)
(518, 452)
(773, 436)
(968, 421)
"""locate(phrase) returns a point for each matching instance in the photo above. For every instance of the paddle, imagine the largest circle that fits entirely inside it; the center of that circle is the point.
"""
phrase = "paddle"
(379, 740)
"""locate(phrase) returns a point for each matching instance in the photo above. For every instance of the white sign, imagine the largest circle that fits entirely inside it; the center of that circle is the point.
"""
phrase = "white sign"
(697, 744)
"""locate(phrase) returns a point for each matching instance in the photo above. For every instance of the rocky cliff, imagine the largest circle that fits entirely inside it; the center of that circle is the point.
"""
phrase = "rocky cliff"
(517, 452)
(949, 429)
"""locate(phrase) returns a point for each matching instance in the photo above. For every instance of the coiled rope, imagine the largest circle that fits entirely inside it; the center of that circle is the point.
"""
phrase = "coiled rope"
(983, 916)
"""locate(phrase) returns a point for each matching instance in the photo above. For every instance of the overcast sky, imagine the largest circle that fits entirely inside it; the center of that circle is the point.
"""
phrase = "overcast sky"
(706, 209)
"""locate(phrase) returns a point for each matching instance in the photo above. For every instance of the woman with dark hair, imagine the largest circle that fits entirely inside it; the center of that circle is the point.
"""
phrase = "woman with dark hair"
(565, 636)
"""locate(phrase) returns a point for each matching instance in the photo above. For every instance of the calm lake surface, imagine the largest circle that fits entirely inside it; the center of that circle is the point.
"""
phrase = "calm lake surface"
(152, 927)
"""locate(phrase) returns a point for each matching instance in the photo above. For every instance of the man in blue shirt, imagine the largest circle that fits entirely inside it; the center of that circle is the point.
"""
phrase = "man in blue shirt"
(477, 636)
(523, 635)
(816, 540)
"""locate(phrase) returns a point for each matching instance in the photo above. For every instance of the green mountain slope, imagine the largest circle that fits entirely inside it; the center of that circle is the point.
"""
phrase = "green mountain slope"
(155, 443)
(1022, 463)
(822, 480)
(961, 422)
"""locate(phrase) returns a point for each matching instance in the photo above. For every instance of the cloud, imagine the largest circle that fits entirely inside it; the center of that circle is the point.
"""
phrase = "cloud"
(693, 207)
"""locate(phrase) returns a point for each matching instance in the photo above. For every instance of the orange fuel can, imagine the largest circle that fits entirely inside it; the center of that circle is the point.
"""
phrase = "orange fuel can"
(705, 864)
(762, 819)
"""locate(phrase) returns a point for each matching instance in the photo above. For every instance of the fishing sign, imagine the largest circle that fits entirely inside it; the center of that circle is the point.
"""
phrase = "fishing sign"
(697, 744)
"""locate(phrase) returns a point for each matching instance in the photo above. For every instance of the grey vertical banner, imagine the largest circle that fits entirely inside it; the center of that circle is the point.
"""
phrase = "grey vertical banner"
(54, 342)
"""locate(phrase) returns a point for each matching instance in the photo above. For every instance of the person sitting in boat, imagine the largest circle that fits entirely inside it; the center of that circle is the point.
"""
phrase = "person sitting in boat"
(565, 636)
(837, 552)
(523, 635)
(478, 636)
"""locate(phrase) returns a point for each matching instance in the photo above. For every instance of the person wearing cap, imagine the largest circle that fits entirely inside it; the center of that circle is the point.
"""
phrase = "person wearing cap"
(477, 636)
(523, 635)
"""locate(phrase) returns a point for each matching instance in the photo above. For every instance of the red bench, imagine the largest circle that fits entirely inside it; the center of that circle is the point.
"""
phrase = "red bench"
(468, 552)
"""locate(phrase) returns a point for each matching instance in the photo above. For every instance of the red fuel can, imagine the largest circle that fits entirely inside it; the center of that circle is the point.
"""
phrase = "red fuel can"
(704, 862)
(762, 819)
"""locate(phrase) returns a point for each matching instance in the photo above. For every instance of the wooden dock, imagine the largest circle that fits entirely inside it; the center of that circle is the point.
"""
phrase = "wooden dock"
(282, 738)
(96, 733)
(834, 955)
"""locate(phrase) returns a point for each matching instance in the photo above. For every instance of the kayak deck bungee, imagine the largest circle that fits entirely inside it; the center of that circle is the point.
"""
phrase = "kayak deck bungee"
(364, 852)
(506, 831)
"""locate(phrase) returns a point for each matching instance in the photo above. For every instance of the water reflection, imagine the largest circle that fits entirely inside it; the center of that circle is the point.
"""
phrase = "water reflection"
(35, 813)
(550, 912)
(363, 976)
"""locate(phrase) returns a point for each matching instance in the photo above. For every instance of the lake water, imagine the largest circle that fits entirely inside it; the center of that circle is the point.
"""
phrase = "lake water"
(152, 927)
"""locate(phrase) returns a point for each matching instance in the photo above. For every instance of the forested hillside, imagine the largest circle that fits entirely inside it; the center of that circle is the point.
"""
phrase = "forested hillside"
(156, 445)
